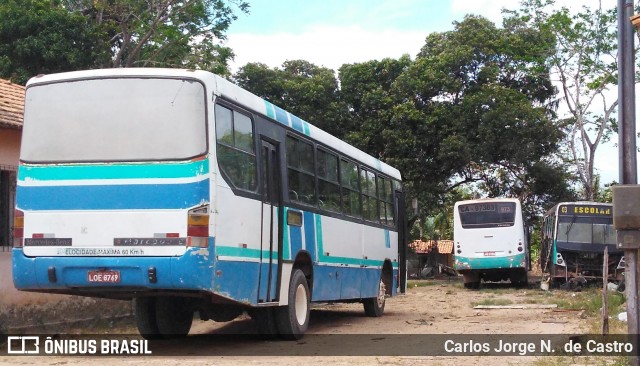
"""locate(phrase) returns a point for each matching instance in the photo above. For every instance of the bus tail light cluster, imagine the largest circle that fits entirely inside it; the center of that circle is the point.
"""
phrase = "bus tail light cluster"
(18, 228)
(520, 248)
(198, 227)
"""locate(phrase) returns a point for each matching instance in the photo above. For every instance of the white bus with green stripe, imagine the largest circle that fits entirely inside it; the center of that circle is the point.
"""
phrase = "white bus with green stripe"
(491, 241)
(185, 193)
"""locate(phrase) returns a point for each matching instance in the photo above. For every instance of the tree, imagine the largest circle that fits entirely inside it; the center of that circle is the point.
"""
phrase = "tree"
(165, 33)
(584, 64)
(300, 87)
(40, 36)
(473, 108)
(366, 88)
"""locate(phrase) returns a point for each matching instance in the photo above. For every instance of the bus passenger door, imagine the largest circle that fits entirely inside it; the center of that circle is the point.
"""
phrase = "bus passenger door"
(271, 222)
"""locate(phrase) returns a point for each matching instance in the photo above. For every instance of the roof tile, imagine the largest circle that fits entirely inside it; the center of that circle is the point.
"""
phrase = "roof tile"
(11, 104)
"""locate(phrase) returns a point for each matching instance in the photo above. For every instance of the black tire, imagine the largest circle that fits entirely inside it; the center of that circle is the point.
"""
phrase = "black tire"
(173, 317)
(145, 315)
(471, 280)
(374, 306)
(519, 278)
(472, 285)
(265, 319)
(293, 319)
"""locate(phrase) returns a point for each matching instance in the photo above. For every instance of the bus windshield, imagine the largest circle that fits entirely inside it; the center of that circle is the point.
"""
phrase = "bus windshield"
(487, 214)
(114, 119)
(588, 230)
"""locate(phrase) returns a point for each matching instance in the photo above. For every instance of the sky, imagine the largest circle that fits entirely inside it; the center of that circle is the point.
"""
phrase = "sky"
(331, 33)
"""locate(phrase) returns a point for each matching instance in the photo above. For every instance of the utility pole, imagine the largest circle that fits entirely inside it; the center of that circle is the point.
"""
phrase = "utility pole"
(627, 239)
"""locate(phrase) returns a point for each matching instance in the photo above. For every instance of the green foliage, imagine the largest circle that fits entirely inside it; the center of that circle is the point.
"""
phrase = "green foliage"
(45, 36)
(171, 33)
(366, 88)
(474, 108)
(300, 87)
(41, 36)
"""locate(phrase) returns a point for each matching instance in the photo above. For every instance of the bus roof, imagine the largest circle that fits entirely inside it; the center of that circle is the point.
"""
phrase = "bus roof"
(224, 88)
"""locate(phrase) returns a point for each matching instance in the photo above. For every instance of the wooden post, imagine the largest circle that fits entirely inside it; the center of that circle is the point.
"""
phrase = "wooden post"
(605, 298)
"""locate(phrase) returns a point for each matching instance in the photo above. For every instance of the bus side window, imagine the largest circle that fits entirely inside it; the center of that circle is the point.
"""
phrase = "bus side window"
(350, 189)
(369, 199)
(235, 148)
(301, 171)
(385, 197)
(328, 186)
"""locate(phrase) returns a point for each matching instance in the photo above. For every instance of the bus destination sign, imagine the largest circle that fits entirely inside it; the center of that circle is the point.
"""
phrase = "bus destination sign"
(585, 210)
(477, 207)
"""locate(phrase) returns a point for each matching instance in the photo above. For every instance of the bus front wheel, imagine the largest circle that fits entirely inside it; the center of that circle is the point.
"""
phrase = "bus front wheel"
(293, 319)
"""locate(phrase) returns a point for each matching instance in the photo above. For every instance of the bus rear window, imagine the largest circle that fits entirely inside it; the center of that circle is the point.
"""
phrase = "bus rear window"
(121, 119)
(487, 215)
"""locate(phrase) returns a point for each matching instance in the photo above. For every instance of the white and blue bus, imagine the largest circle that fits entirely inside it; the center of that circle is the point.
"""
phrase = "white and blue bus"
(491, 241)
(187, 193)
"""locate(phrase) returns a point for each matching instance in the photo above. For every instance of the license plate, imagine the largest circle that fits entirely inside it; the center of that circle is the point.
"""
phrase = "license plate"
(104, 276)
(489, 254)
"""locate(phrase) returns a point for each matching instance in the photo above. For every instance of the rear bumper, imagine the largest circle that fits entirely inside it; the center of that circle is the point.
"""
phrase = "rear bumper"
(191, 271)
(512, 261)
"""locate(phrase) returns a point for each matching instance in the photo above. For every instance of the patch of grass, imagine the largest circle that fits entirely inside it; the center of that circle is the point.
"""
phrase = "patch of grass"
(591, 301)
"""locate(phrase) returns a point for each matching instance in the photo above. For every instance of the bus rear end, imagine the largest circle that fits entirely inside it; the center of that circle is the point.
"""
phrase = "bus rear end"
(114, 188)
(490, 241)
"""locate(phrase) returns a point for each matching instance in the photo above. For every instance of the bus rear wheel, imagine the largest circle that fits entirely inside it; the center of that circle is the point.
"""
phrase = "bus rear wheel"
(471, 281)
(374, 306)
(145, 316)
(293, 319)
(519, 278)
(174, 316)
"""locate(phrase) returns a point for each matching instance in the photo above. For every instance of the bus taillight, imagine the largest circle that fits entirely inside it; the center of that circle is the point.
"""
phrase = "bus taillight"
(18, 228)
(198, 227)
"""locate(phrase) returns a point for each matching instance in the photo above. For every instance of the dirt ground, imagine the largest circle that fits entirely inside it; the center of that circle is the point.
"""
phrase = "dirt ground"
(340, 334)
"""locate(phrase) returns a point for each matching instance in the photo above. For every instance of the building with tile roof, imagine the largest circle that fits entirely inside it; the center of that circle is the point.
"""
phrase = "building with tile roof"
(11, 116)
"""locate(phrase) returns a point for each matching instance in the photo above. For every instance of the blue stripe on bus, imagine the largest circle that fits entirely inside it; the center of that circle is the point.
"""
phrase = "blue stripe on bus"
(287, 118)
(297, 124)
(113, 197)
(281, 116)
(387, 239)
(113, 171)
(270, 110)
(310, 234)
(295, 233)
